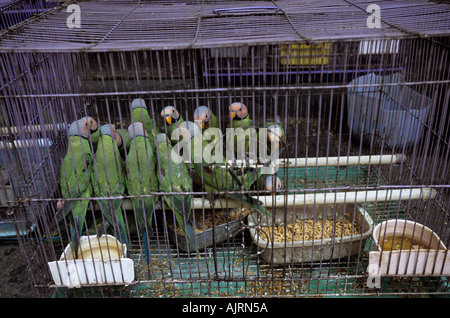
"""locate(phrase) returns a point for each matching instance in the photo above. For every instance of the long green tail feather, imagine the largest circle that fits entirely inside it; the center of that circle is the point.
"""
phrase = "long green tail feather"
(106, 207)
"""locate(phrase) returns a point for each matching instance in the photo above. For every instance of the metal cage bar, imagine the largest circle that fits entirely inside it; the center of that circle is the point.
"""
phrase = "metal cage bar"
(366, 141)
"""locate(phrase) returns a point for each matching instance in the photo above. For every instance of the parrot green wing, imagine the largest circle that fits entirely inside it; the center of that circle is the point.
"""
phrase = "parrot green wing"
(94, 139)
(219, 178)
(141, 177)
(244, 123)
(125, 138)
(79, 216)
(174, 177)
(108, 180)
(74, 178)
(141, 115)
(75, 175)
(247, 122)
(213, 122)
(172, 127)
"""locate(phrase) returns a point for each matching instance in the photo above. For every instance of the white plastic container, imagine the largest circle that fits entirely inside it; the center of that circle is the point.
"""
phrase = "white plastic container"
(106, 264)
(396, 113)
(433, 261)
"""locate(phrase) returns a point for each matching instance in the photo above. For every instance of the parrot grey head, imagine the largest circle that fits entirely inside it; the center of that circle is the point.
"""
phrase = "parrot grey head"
(138, 103)
(202, 114)
(273, 183)
(161, 138)
(170, 113)
(110, 130)
(92, 123)
(191, 127)
(81, 127)
(136, 129)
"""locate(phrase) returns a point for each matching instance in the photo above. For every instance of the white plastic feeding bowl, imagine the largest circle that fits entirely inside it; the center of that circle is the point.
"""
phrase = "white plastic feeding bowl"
(434, 260)
(102, 260)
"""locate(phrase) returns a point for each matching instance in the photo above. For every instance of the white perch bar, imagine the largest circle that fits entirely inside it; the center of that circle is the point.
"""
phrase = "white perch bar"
(327, 198)
(333, 161)
(39, 128)
(26, 143)
(341, 161)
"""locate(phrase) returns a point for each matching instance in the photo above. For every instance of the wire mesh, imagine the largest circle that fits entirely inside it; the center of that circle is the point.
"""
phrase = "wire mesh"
(13, 12)
(365, 114)
(134, 25)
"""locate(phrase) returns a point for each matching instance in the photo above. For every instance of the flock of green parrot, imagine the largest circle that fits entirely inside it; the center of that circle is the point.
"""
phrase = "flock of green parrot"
(94, 167)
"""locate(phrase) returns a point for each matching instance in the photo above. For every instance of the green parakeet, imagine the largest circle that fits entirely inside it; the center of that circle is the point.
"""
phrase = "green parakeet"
(123, 133)
(172, 119)
(205, 117)
(76, 170)
(215, 176)
(125, 141)
(139, 113)
(175, 177)
(239, 118)
(94, 139)
(108, 179)
(142, 178)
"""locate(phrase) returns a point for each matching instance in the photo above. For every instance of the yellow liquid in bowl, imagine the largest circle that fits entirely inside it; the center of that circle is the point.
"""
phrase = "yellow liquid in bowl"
(395, 243)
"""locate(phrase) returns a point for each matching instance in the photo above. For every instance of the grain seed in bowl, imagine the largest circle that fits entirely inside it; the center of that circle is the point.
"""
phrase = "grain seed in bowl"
(306, 230)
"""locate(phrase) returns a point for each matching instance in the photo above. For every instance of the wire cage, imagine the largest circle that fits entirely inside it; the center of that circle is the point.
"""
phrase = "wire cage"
(13, 12)
(362, 95)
